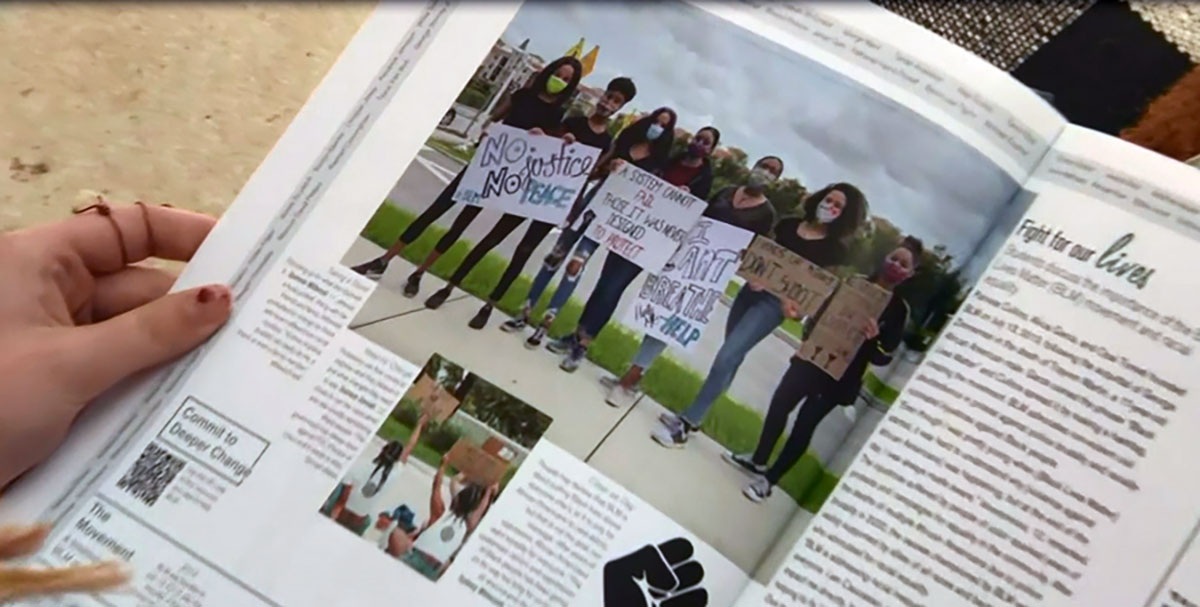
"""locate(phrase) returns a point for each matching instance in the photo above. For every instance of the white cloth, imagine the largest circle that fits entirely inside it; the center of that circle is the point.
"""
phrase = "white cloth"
(442, 539)
(358, 502)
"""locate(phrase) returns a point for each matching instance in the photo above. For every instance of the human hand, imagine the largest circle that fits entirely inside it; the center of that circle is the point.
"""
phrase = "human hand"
(656, 576)
(871, 328)
(568, 138)
(791, 308)
(28, 582)
(615, 164)
(76, 317)
(685, 188)
(536, 131)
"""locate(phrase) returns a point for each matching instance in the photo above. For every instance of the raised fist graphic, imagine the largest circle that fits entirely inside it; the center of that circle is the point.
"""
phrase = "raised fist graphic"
(656, 576)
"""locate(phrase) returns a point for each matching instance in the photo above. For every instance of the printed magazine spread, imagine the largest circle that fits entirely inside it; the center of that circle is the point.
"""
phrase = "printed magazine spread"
(666, 304)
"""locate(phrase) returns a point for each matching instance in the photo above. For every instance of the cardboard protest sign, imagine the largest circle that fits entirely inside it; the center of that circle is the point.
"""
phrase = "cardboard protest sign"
(787, 275)
(641, 217)
(674, 305)
(478, 465)
(435, 400)
(838, 333)
(535, 176)
(497, 447)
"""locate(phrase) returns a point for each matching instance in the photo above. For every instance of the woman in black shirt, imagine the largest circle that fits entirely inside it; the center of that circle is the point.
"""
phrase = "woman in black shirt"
(589, 130)
(745, 206)
(831, 216)
(539, 109)
(806, 382)
(646, 144)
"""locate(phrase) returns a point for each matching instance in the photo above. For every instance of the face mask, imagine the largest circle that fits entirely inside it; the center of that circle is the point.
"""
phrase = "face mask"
(826, 212)
(759, 178)
(893, 272)
(555, 85)
(697, 149)
(654, 131)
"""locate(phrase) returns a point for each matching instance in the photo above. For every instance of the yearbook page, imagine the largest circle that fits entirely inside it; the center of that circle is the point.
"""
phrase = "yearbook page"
(1041, 453)
(495, 339)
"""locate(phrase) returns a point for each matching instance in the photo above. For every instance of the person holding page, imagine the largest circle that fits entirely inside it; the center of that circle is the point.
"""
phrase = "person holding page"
(591, 130)
(691, 168)
(538, 108)
(647, 144)
(831, 216)
(820, 393)
(745, 206)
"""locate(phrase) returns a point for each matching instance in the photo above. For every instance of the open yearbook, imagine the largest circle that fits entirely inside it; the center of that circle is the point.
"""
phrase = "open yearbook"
(666, 304)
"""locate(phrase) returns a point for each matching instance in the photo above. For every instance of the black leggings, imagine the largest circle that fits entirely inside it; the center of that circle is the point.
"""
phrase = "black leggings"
(440, 205)
(801, 380)
(504, 226)
(387, 469)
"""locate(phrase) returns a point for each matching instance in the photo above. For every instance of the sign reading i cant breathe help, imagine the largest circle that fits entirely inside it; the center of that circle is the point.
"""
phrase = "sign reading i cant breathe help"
(536, 176)
(675, 305)
(641, 217)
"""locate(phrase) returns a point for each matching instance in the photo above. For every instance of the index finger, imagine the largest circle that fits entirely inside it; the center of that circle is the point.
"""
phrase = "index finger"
(148, 231)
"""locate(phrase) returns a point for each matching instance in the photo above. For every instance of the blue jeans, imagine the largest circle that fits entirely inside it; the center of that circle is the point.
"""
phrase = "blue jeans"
(650, 349)
(575, 266)
(615, 277)
(752, 317)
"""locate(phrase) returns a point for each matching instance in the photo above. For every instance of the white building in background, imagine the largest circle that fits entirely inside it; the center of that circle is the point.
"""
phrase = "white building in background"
(501, 61)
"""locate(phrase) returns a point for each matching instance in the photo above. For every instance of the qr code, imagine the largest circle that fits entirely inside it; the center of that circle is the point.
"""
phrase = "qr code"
(154, 469)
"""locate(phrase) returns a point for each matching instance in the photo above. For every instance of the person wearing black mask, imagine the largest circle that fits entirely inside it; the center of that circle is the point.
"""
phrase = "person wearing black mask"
(538, 108)
(589, 130)
(820, 393)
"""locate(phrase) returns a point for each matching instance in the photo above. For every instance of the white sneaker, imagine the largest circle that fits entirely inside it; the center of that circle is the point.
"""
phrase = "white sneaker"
(758, 490)
(619, 396)
(671, 437)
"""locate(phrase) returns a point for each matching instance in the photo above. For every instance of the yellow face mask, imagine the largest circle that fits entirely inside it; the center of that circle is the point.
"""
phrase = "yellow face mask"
(555, 85)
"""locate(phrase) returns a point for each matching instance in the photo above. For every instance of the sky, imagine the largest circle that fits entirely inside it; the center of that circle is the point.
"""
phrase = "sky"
(766, 99)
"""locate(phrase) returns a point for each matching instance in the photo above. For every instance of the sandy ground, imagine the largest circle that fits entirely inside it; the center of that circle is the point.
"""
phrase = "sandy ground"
(171, 102)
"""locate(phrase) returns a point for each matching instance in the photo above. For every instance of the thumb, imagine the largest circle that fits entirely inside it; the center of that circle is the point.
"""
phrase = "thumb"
(143, 337)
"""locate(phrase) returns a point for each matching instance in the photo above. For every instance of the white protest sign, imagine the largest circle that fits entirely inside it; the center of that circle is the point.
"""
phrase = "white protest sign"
(674, 305)
(641, 217)
(536, 176)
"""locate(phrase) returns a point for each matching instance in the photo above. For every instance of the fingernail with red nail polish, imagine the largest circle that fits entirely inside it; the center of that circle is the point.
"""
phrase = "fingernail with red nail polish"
(206, 295)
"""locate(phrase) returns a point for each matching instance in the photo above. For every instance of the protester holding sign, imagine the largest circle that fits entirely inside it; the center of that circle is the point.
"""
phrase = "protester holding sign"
(537, 108)
(831, 216)
(646, 144)
(591, 130)
(431, 549)
(820, 392)
(620, 268)
(745, 207)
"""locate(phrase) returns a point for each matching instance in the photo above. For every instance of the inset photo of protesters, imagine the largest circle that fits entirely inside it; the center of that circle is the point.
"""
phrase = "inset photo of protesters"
(713, 261)
(436, 465)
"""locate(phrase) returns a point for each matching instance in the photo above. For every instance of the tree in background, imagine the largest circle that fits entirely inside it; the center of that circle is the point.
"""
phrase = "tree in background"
(505, 413)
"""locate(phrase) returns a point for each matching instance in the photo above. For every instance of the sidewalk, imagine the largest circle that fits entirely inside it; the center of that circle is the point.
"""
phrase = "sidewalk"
(692, 485)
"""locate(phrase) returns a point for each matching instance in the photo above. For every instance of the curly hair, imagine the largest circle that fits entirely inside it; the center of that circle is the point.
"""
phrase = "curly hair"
(853, 214)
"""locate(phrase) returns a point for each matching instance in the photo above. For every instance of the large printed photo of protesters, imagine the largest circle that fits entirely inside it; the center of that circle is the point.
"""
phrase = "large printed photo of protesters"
(738, 435)
(437, 464)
